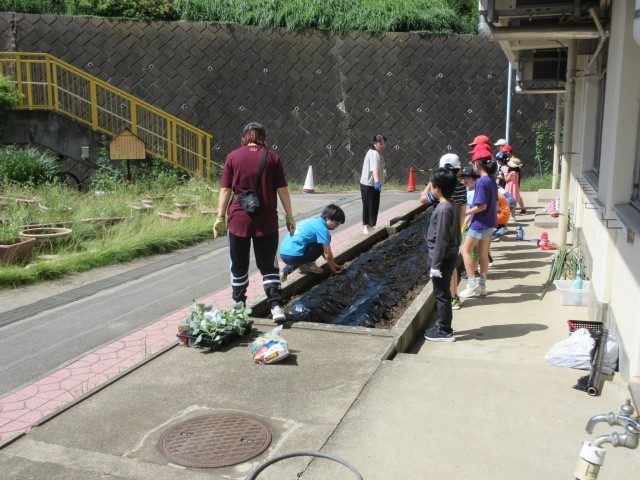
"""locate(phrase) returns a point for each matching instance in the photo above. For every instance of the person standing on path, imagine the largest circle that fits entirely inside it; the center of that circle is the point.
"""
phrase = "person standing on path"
(371, 182)
(443, 241)
(451, 161)
(512, 178)
(240, 173)
(483, 221)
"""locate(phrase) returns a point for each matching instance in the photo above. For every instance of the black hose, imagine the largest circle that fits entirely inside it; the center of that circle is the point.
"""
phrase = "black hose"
(593, 386)
(304, 453)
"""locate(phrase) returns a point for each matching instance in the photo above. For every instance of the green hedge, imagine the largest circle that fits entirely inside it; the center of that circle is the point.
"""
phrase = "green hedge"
(425, 16)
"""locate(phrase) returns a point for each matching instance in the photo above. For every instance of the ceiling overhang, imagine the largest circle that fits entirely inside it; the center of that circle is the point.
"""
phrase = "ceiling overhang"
(534, 34)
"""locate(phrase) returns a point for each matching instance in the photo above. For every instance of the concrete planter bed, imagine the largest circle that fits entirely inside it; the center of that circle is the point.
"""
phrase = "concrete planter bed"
(407, 319)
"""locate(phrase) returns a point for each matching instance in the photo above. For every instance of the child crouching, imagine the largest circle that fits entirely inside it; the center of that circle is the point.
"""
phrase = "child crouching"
(311, 239)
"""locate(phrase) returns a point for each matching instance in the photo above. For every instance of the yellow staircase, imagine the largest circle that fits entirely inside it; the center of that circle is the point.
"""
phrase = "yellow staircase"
(48, 83)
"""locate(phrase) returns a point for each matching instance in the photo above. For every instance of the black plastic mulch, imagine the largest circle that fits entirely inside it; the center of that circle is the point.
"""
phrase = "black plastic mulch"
(373, 283)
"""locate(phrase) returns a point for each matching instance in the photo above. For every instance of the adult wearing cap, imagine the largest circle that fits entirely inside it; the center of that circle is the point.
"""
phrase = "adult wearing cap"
(371, 181)
(483, 221)
(261, 228)
(451, 161)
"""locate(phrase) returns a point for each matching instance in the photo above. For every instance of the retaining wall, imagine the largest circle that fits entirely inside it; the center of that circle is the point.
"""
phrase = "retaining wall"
(321, 96)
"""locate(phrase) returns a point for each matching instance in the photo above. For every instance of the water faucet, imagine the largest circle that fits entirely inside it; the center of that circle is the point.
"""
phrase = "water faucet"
(592, 454)
(629, 439)
(623, 418)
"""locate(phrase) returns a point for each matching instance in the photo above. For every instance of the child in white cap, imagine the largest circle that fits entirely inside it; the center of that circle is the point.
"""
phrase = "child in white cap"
(451, 161)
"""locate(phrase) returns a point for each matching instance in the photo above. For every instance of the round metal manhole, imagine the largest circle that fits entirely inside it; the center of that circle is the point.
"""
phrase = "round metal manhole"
(215, 440)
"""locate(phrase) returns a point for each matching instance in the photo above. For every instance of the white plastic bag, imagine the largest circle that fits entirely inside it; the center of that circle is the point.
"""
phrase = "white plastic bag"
(270, 347)
(574, 352)
(610, 361)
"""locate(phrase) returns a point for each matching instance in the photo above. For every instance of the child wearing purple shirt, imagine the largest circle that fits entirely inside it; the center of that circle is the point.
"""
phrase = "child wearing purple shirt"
(483, 222)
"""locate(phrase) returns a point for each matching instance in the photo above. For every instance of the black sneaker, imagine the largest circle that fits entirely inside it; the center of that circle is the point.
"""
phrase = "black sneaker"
(434, 334)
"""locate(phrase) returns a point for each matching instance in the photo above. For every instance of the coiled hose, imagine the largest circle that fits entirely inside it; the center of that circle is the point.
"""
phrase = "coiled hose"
(303, 453)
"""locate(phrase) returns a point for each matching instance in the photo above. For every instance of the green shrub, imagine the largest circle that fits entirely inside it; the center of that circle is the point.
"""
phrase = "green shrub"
(33, 6)
(10, 97)
(28, 165)
(543, 151)
(155, 9)
(158, 177)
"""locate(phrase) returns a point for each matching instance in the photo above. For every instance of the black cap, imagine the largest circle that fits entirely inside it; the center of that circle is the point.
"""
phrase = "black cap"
(468, 171)
(253, 126)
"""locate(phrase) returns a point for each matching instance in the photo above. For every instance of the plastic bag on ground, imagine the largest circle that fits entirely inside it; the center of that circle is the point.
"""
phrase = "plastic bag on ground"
(270, 347)
(573, 352)
(577, 352)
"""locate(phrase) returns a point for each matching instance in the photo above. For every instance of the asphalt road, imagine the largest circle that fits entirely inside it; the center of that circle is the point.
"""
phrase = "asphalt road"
(35, 345)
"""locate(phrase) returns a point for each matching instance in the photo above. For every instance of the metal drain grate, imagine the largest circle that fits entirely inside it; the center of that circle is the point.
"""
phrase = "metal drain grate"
(215, 440)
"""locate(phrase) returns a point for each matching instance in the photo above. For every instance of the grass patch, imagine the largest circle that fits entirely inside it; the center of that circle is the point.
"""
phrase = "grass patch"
(533, 184)
(423, 16)
(96, 243)
(428, 16)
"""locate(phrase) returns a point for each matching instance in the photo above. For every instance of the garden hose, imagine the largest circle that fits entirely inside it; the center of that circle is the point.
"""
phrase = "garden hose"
(303, 453)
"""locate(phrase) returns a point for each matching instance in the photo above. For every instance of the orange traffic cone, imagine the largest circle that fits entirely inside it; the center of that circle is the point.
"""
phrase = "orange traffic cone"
(412, 181)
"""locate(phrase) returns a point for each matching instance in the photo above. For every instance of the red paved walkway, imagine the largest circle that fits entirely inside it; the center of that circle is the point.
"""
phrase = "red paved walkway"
(21, 409)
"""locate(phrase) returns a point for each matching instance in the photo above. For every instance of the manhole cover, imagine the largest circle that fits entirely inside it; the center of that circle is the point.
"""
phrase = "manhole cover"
(215, 440)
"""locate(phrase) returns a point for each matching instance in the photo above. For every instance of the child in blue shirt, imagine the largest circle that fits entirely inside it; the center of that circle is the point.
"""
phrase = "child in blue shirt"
(311, 239)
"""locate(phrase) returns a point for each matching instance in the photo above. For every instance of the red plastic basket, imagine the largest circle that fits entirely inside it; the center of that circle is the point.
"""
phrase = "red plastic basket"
(593, 326)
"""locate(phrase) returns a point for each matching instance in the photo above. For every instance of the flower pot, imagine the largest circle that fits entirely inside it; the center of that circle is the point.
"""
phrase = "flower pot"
(173, 215)
(143, 207)
(46, 235)
(16, 252)
(106, 221)
(184, 205)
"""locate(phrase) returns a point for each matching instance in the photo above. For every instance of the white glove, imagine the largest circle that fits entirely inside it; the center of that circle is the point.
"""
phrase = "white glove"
(435, 273)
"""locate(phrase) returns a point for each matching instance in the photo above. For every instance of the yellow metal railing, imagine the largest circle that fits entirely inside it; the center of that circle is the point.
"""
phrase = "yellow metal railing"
(48, 83)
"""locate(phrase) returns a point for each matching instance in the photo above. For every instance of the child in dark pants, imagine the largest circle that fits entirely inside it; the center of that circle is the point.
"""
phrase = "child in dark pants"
(443, 241)
(311, 240)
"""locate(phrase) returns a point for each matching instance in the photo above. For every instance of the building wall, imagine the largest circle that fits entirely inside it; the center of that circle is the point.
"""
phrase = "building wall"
(612, 243)
(322, 97)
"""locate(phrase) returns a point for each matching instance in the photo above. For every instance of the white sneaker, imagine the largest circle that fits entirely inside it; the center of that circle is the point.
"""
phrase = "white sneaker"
(482, 290)
(310, 267)
(365, 230)
(277, 313)
(471, 291)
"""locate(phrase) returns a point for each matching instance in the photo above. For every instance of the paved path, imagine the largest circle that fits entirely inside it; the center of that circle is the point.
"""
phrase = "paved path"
(486, 407)
(30, 404)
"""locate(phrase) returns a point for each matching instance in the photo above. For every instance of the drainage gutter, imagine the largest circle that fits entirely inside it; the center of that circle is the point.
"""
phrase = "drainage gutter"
(410, 325)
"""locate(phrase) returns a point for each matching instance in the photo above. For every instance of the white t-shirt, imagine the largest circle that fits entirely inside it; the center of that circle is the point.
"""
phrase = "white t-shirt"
(372, 161)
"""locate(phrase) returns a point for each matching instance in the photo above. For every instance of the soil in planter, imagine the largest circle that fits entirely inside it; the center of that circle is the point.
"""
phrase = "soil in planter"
(366, 293)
